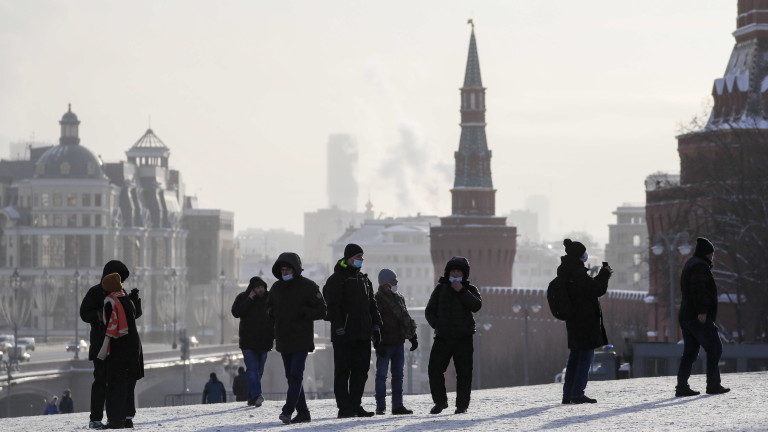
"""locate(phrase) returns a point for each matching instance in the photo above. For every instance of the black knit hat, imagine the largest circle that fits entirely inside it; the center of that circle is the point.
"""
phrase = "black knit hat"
(352, 250)
(256, 282)
(703, 247)
(574, 249)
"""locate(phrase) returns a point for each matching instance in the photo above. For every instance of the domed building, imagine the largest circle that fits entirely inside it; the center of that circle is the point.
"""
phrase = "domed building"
(65, 213)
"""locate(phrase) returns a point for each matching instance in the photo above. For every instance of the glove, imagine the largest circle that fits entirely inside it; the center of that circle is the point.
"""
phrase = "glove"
(414, 343)
(134, 295)
(376, 338)
(381, 351)
(340, 331)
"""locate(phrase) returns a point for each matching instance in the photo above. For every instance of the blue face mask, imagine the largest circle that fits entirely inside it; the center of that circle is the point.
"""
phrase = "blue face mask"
(357, 263)
(584, 257)
(454, 279)
(288, 277)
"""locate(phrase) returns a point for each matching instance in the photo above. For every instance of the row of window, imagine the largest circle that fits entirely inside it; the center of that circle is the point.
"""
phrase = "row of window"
(63, 200)
(71, 221)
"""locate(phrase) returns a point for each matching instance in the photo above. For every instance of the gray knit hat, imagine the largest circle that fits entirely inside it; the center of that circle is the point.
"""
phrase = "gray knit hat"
(386, 276)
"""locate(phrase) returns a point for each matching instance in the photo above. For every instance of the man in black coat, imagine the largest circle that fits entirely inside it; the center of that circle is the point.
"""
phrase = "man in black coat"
(698, 312)
(294, 303)
(449, 311)
(585, 327)
(256, 334)
(91, 311)
(240, 385)
(355, 322)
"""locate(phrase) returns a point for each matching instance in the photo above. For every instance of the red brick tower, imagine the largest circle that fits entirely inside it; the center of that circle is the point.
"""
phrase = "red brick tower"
(472, 230)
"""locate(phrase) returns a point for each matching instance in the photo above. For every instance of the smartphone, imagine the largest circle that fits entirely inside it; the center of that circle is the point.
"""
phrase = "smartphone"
(605, 263)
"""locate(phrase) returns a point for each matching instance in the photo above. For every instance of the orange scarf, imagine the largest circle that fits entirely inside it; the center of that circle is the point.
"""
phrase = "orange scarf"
(117, 325)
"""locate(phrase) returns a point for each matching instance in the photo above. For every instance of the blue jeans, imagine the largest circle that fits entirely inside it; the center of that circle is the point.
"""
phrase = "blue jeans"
(697, 335)
(396, 355)
(294, 372)
(577, 373)
(254, 370)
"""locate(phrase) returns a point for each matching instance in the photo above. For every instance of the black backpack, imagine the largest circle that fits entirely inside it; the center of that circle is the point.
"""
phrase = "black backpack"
(558, 299)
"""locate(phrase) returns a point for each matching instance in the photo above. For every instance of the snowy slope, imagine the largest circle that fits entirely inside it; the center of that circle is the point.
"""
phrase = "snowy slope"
(644, 404)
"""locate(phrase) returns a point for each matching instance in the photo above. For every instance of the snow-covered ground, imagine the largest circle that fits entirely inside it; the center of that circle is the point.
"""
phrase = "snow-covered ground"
(643, 404)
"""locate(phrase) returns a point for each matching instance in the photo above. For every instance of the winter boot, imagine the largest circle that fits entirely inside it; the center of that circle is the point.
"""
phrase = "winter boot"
(566, 401)
(381, 411)
(438, 408)
(302, 418)
(460, 410)
(285, 418)
(95, 424)
(401, 410)
(361, 412)
(583, 399)
(682, 391)
(718, 389)
(258, 401)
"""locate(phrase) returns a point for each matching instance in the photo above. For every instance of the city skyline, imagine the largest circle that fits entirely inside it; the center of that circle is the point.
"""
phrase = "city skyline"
(583, 101)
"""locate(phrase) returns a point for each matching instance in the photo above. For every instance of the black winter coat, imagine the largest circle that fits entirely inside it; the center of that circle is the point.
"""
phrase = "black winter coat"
(240, 387)
(450, 312)
(256, 329)
(93, 304)
(351, 304)
(294, 305)
(699, 290)
(585, 328)
(126, 356)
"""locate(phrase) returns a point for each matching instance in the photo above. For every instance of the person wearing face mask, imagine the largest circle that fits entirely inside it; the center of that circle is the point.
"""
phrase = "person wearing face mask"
(397, 326)
(449, 311)
(585, 327)
(355, 323)
(256, 334)
(293, 303)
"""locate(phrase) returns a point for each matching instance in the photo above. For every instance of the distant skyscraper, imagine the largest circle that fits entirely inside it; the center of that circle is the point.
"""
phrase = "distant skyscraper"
(473, 230)
(342, 166)
(539, 204)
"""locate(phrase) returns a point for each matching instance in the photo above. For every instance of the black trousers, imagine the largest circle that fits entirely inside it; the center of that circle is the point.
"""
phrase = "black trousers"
(120, 399)
(443, 350)
(98, 390)
(351, 364)
(697, 335)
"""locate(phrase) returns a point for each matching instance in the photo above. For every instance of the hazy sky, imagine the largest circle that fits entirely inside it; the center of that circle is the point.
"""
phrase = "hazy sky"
(584, 97)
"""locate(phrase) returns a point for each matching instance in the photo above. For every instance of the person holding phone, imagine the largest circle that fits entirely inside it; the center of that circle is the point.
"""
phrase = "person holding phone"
(585, 327)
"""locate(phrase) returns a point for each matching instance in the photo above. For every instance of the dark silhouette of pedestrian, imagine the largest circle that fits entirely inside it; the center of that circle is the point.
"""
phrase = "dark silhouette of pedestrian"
(585, 327)
(214, 391)
(355, 322)
(256, 333)
(698, 312)
(449, 311)
(294, 304)
(66, 405)
(240, 385)
(397, 326)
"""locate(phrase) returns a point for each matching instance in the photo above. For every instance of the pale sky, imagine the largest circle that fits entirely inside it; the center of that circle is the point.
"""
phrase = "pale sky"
(584, 98)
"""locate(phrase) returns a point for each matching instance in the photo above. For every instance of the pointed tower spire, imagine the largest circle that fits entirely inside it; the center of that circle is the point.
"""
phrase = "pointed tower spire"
(472, 76)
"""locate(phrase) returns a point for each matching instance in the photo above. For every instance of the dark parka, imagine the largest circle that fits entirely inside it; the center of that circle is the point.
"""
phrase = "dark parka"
(293, 306)
(126, 356)
(256, 330)
(92, 307)
(351, 304)
(699, 290)
(585, 328)
(450, 312)
(397, 325)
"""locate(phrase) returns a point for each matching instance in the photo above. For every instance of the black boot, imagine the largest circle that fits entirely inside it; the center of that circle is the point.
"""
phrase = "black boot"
(361, 412)
(682, 391)
(401, 411)
(718, 389)
(302, 417)
(438, 408)
(583, 399)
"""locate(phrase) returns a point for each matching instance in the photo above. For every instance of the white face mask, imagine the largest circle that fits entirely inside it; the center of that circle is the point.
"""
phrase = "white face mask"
(454, 279)
(393, 288)
(287, 277)
(584, 257)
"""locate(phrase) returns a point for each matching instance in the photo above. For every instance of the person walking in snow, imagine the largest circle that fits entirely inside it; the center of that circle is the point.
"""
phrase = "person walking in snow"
(66, 405)
(397, 326)
(214, 391)
(449, 311)
(698, 312)
(585, 327)
(256, 335)
(355, 323)
(294, 303)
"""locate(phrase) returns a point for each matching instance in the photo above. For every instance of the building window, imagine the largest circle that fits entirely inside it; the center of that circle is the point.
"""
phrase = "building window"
(97, 200)
(97, 220)
(57, 200)
(45, 200)
(636, 241)
(71, 200)
(72, 220)
(86, 200)
(86, 219)
(636, 277)
(637, 259)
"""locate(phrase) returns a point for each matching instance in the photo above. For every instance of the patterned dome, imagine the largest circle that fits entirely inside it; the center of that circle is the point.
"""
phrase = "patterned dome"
(68, 161)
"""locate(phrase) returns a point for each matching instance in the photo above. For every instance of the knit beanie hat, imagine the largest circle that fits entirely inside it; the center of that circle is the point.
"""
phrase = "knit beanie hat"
(386, 276)
(352, 250)
(256, 282)
(111, 283)
(574, 249)
(703, 247)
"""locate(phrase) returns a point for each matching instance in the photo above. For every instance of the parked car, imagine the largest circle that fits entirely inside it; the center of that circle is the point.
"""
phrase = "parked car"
(6, 341)
(18, 353)
(82, 345)
(28, 342)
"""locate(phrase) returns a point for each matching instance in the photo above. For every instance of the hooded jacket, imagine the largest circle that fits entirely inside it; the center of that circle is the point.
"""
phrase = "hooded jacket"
(351, 304)
(585, 328)
(93, 303)
(293, 305)
(699, 291)
(397, 324)
(450, 312)
(256, 330)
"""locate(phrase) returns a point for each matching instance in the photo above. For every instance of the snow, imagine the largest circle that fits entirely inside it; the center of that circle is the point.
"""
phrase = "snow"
(641, 404)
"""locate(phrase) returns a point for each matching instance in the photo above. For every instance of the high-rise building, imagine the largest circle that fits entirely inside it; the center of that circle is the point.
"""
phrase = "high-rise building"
(473, 230)
(627, 249)
(342, 168)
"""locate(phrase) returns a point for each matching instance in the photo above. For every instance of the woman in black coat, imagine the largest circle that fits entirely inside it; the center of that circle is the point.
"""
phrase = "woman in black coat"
(585, 328)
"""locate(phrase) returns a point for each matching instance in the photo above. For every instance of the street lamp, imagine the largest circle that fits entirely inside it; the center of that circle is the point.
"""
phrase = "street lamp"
(77, 332)
(527, 309)
(221, 312)
(669, 242)
(16, 284)
(173, 282)
(46, 287)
